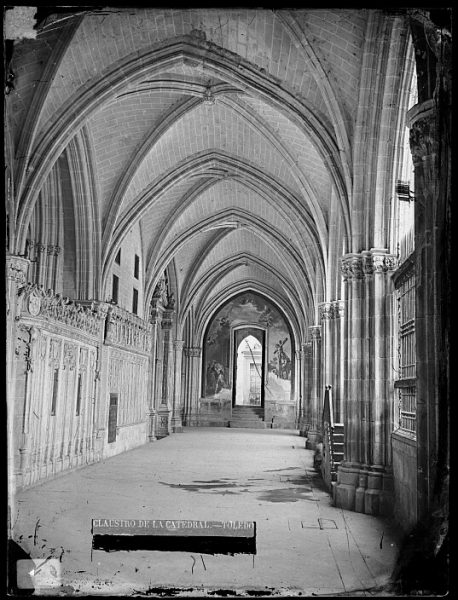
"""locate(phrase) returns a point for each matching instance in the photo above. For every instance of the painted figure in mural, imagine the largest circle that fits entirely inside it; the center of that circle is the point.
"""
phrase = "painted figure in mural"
(215, 377)
(284, 362)
(266, 317)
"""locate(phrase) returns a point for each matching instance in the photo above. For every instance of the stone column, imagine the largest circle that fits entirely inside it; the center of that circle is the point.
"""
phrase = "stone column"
(191, 407)
(156, 319)
(349, 470)
(378, 497)
(299, 389)
(164, 409)
(337, 313)
(364, 481)
(314, 434)
(326, 315)
(177, 426)
(306, 351)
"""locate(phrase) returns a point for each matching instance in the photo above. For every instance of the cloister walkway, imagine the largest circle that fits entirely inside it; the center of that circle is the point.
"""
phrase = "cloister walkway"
(305, 546)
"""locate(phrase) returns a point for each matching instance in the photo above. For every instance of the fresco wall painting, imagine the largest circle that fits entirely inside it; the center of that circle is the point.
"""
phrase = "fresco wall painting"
(249, 314)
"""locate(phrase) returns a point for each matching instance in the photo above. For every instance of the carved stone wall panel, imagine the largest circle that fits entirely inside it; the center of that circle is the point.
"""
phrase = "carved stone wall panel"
(55, 350)
(54, 437)
(34, 301)
(69, 358)
(126, 330)
(83, 361)
(128, 376)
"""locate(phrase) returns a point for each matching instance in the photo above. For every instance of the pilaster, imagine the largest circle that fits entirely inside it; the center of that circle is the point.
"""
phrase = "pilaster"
(164, 409)
(16, 275)
(155, 320)
(314, 433)
(177, 426)
(191, 401)
(304, 419)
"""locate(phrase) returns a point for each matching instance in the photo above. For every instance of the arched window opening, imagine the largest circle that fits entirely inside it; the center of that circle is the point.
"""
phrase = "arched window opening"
(405, 185)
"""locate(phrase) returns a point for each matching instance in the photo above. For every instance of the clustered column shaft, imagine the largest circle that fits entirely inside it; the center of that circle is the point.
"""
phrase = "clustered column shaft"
(364, 479)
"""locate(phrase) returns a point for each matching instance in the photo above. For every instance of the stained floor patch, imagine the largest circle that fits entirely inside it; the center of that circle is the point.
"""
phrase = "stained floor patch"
(200, 487)
(287, 495)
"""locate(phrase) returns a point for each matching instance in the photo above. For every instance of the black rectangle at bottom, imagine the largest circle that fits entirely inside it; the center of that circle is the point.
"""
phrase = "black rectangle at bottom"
(201, 544)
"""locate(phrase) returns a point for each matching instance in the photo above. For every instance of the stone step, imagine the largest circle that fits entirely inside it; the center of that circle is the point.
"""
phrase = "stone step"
(247, 424)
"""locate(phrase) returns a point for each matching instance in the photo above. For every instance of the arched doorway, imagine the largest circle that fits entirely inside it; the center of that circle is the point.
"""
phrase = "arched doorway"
(248, 314)
(248, 368)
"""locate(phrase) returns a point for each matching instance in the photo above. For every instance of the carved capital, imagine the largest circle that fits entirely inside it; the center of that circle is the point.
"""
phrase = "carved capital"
(315, 332)
(338, 309)
(383, 262)
(367, 263)
(325, 311)
(364, 265)
(178, 345)
(352, 267)
(193, 351)
(53, 250)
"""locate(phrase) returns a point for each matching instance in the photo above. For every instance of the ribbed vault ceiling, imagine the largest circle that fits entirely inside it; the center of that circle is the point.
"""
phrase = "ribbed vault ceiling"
(234, 191)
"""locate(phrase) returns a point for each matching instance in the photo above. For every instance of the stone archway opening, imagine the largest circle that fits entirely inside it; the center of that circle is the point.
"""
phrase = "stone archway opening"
(249, 365)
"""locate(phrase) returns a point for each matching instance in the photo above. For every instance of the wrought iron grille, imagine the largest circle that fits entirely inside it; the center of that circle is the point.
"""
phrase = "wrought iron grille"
(407, 402)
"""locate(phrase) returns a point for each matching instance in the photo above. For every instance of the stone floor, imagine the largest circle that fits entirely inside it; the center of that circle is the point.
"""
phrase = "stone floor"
(305, 546)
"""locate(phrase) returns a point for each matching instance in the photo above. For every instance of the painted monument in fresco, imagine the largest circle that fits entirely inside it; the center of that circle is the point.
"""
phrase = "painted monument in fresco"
(247, 310)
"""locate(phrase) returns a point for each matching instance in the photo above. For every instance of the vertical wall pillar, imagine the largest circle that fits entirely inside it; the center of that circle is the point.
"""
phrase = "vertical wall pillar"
(306, 352)
(314, 433)
(177, 408)
(337, 313)
(364, 481)
(379, 493)
(16, 275)
(156, 319)
(325, 313)
(165, 406)
(191, 401)
(349, 471)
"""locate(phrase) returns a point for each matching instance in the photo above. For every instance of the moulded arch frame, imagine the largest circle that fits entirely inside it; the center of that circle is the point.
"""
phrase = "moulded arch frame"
(221, 270)
(137, 65)
(202, 319)
(245, 218)
(210, 164)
